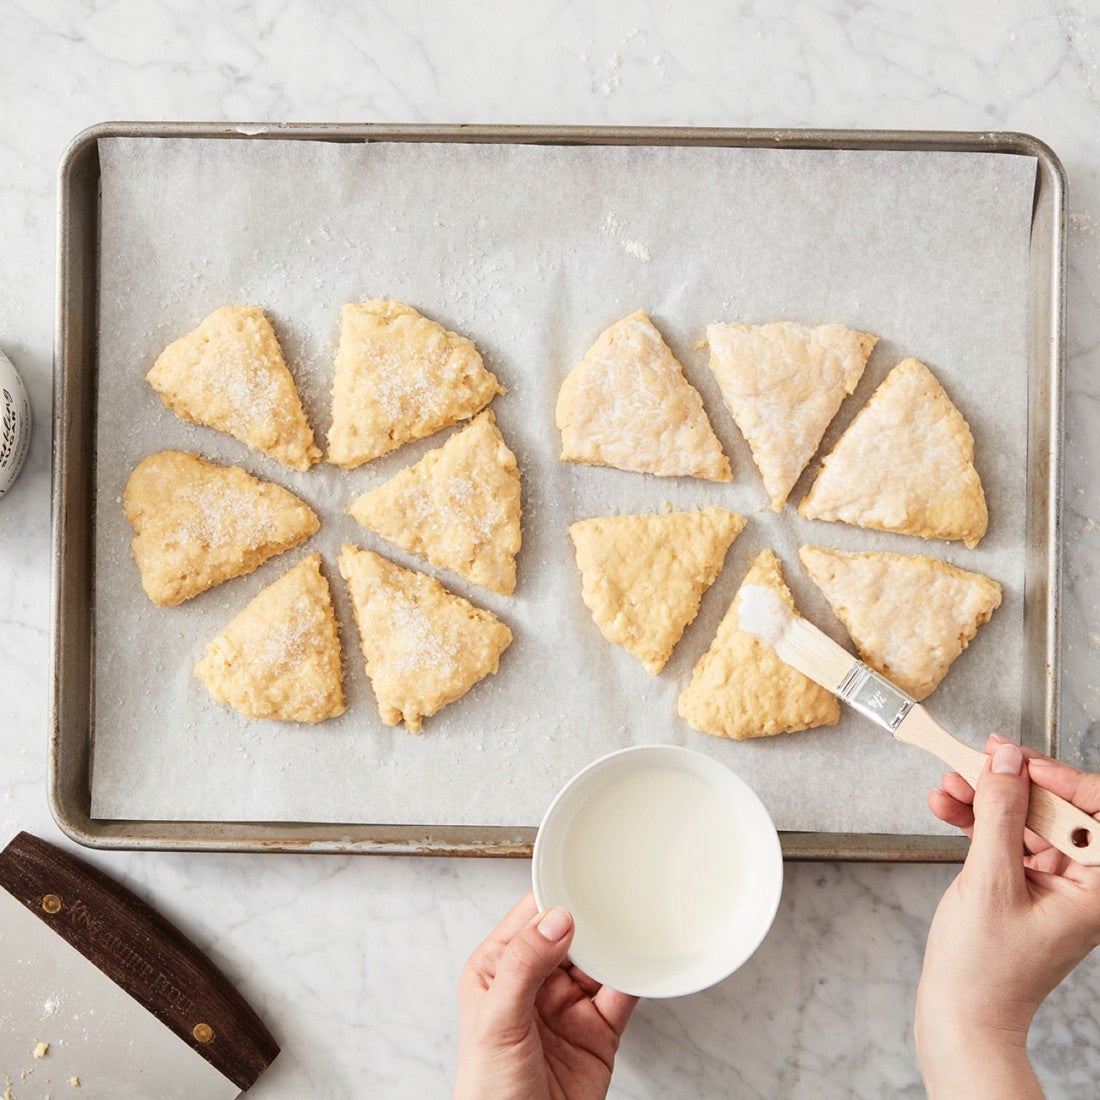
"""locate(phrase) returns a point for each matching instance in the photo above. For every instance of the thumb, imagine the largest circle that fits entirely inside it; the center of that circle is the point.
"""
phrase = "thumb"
(528, 960)
(996, 852)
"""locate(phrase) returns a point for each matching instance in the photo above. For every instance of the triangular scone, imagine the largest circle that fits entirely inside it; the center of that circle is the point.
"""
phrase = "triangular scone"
(741, 689)
(197, 524)
(399, 377)
(459, 507)
(783, 384)
(424, 647)
(909, 616)
(280, 656)
(627, 404)
(642, 577)
(229, 374)
(905, 464)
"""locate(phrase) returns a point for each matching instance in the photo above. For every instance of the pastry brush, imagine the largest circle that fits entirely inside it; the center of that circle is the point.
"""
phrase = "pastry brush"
(798, 643)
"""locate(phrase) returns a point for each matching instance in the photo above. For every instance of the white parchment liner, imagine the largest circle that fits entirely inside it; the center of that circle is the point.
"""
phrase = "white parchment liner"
(532, 251)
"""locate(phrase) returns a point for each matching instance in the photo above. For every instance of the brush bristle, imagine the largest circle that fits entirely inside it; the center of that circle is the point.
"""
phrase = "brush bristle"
(816, 655)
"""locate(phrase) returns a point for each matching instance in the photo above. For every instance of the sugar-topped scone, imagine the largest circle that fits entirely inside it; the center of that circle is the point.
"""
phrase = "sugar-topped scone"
(424, 647)
(741, 689)
(280, 656)
(459, 506)
(627, 404)
(909, 616)
(783, 384)
(229, 374)
(642, 577)
(399, 377)
(197, 524)
(905, 464)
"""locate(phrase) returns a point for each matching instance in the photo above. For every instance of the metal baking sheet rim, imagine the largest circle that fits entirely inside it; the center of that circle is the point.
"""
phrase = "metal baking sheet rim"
(72, 612)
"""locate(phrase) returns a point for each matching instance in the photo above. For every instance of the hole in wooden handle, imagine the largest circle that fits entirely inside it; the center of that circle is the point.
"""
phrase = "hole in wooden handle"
(1081, 838)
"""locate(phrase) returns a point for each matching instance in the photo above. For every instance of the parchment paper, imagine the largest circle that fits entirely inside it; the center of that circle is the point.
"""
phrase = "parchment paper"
(531, 252)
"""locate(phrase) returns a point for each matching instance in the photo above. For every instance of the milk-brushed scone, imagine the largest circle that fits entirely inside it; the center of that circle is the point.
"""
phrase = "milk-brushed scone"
(280, 656)
(197, 524)
(627, 404)
(741, 689)
(783, 383)
(909, 616)
(459, 506)
(905, 464)
(423, 646)
(399, 377)
(643, 576)
(229, 374)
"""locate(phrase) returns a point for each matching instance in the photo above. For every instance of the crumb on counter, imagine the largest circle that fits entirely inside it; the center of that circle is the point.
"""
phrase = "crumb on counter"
(41, 1050)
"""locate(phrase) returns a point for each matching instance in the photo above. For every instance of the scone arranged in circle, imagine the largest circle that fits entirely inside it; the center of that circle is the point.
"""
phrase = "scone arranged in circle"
(399, 377)
(905, 464)
(909, 616)
(741, 689)
(643, 576)
(424, 647)
(627, 404)
(229, 374)
(783, 384)
(197, 524)
(459, 507)
(280, 657)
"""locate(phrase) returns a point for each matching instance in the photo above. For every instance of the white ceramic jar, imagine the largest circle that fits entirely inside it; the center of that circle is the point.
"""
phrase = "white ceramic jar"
(15, 424)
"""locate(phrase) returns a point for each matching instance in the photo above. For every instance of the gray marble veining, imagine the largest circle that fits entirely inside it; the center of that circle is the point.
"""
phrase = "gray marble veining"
(353, 962)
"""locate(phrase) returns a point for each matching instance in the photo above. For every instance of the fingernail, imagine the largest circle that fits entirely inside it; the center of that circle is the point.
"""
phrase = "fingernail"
(999, 738)
(1043, 761)
(555, 924)
(1007, 759)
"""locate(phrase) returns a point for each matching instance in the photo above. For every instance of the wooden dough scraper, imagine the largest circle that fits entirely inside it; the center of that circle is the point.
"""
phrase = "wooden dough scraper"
(101, 997)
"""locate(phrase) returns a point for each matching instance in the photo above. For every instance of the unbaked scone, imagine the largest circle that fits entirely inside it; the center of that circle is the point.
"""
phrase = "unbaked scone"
(423, 646)
(642, 577)
(197, 524)
(909, 616)
(905, 464)
(783, 383)
(459, 507)
(627, 404)
(229, 374)
(399, 377)
(741, 689)
(280, 656)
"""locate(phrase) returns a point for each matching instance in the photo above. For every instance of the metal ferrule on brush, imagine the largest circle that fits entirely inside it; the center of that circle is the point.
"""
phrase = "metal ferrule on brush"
(872, 695)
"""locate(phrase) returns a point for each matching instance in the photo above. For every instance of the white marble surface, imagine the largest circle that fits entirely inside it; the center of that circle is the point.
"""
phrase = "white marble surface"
(353, 961)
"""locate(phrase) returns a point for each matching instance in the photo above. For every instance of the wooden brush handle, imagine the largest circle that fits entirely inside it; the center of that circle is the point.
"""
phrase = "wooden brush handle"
(1057, 821)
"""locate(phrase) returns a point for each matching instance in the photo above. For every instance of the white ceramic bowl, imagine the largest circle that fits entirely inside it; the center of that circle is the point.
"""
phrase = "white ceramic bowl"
(669, 864)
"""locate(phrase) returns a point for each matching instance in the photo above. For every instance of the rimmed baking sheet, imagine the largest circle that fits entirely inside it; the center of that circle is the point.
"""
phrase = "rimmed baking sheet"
(694, 230)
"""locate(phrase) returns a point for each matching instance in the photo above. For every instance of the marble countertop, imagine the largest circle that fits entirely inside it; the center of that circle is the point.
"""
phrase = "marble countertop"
(353, 961)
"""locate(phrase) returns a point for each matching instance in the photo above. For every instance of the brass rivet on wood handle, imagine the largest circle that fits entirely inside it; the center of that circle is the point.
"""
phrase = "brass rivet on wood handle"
(51, 903)
(203, 1032)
